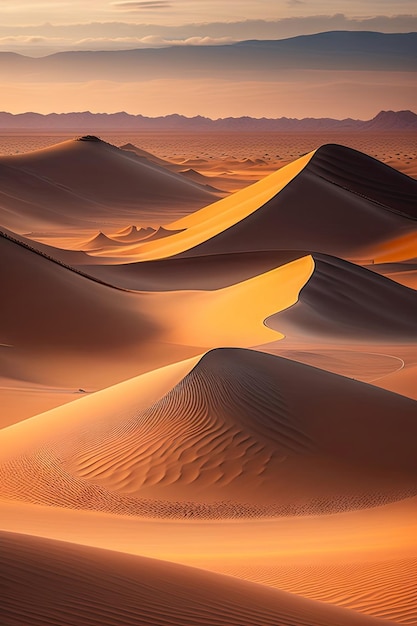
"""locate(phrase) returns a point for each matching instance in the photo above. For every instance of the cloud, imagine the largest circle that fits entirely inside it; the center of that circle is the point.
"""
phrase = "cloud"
(121, 35)
(143, 6)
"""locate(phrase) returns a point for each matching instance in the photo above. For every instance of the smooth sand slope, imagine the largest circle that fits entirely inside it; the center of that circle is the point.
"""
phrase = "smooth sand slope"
(303, 206)
(330, 553)
(54, 583)
(66, 332)
(79, 183)
(49, 309)
(208, 272)
(234, 438)
(235, 461)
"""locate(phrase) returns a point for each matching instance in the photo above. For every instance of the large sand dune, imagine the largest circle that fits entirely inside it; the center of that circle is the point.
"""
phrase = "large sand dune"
(148, 436)
(77, 183)
(233, 438)
(321, 202)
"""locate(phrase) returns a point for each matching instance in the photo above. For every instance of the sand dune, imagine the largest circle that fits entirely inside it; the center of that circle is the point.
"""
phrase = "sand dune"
(99, 242)
(133, 233)
(76, 183)
(234, 438)
(85, 585)
(344, 300)
(64, 330)
(358, 541)
(402, 273)
(148, 437)
(383, 588)
(302, 206)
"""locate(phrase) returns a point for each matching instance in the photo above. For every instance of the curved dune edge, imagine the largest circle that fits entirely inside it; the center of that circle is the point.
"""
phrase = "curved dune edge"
(344, 301)
(217, 217)
(235, 315)
(85, 584)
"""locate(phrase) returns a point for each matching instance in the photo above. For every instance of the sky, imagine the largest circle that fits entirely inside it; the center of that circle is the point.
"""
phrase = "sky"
(42, 27)
(38, 27)
(175, 12)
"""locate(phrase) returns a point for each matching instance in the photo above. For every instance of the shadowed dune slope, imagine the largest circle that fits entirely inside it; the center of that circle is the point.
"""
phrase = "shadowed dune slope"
(59, 328)
(233, 438)
(208, 272)
(47, 304)
(64, 256)
(320, 208)
(76, 182)
(344, 300)
(367, 177)
(51, 583)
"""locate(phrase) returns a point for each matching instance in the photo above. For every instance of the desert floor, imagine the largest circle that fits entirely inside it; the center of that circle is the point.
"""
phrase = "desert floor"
(208, 379)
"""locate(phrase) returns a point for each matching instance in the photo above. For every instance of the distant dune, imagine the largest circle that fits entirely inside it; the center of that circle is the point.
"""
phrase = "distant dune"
(77, 183)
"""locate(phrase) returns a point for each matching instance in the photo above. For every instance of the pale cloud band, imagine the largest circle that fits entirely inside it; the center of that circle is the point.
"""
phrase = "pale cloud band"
(48, 38)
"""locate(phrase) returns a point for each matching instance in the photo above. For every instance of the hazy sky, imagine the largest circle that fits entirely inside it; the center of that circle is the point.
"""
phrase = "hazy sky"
(41, 27)
(176, 12)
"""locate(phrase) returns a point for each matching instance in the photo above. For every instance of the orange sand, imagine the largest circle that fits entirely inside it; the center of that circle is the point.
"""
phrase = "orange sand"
(127, 427)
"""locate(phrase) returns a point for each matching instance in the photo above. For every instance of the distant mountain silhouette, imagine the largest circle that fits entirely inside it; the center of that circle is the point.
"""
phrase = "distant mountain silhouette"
(335, 50)
(86, 121)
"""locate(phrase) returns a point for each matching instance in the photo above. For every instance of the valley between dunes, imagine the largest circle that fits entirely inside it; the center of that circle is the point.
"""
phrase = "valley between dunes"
(208, 399)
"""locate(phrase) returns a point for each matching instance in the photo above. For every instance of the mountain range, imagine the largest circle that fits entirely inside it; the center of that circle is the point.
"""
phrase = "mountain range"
(82, 121)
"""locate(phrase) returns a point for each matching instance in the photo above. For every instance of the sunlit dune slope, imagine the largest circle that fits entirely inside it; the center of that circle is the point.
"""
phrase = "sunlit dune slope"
(50, 583)
(342, 300)
(133, 233)
(100, 241)
(79, 182)
(233, 438)
(307, 205)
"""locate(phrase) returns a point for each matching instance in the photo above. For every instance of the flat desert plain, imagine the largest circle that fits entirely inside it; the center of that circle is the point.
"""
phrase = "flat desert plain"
(208, 379)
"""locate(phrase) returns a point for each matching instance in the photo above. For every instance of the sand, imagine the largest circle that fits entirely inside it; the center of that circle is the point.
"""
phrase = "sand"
(208, 400)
